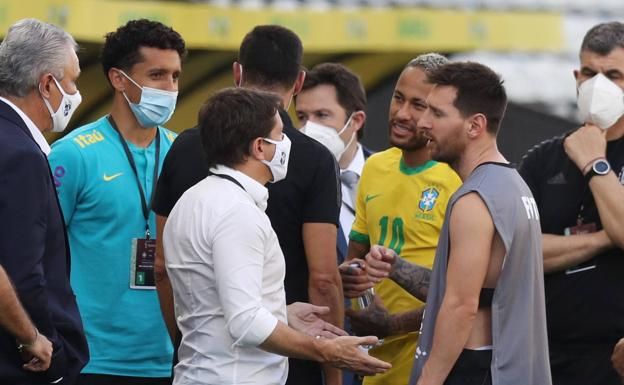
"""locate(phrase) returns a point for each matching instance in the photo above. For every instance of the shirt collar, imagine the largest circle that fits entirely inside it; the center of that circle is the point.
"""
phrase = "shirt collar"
(34, 131)
(257, 191)
(357, 163)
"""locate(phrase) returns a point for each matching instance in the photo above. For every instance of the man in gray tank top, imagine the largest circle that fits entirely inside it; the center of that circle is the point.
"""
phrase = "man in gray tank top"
(485, 319)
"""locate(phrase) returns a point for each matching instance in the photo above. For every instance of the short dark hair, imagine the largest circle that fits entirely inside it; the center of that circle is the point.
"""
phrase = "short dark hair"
(231, 119)
(479, 90)
(603, 38)
(349, 89)
(121, 48)
(271, 55)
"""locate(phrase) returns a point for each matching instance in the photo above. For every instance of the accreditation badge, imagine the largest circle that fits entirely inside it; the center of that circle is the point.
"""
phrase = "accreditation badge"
(581, 228)
(143, 254)
(585, 228)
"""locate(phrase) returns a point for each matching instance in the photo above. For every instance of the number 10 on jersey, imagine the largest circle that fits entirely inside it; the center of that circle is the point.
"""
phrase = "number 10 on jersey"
(397, 239)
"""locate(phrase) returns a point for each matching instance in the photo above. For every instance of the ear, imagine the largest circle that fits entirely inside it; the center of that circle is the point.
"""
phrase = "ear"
(116, 79)
(299, 82)
(237, 74)
(256, 149)
(45, 83)
(576, 74)
(478, 125)
(358, 120)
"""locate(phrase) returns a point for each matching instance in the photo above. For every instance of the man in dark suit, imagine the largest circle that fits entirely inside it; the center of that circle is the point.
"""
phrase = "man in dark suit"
(330, 108)
(38, 71)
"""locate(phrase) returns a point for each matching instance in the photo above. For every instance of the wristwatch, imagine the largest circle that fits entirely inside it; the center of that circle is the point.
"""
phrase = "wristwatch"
(599, 167)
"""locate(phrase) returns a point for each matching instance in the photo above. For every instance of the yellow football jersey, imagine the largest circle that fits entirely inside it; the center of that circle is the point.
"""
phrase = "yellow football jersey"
(401, 208)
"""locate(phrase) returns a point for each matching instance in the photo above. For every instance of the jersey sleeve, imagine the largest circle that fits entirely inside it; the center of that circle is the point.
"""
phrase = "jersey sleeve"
(529, 169)
(359, 231)
(68, 169)
(323, 198)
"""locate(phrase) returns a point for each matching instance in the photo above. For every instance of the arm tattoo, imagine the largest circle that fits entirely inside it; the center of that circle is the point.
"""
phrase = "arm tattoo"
(408, 321)
(413, 278)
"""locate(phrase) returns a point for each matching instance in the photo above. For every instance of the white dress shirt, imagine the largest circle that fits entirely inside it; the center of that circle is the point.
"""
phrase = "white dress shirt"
(227, 272)
(34, 131)
(347, 210)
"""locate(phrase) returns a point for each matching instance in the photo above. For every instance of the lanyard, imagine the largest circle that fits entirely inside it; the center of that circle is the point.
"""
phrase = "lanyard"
(231, 179)
(144, 205)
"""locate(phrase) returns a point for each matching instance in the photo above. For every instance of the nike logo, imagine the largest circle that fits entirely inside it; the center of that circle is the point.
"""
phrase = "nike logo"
(371, 197)
(109, 178)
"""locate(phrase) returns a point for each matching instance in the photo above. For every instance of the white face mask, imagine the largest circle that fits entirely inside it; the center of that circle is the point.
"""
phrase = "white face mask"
(600, 101)
(279, 164)
(69, 104)
(328, 136)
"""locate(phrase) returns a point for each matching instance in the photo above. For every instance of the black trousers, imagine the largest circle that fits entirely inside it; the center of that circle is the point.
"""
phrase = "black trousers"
(472, 368)
(104, 379)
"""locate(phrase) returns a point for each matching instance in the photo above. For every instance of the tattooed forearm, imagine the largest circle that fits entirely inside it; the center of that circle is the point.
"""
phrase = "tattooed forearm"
(407, 322)
(413, 278)
(375, 320)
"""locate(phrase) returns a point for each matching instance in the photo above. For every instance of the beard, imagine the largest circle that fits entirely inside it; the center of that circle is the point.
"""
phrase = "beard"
(416, 142)
(449, 153)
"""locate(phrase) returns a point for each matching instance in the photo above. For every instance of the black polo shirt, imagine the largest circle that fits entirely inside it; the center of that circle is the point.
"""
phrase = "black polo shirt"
(585, 303)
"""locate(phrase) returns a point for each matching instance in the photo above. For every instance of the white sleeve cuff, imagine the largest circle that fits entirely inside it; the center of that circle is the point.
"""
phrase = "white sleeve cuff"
(258, 329)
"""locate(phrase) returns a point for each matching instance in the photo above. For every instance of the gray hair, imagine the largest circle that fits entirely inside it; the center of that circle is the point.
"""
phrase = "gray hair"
(603, 38)
(427, 61)
(30, 49)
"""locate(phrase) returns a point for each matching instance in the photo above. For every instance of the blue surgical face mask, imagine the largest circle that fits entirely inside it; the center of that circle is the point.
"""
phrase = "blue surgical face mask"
(155, 107)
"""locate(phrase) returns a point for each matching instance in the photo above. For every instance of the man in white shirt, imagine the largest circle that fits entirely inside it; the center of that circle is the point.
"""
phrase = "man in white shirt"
(225, 263)
(330, 108)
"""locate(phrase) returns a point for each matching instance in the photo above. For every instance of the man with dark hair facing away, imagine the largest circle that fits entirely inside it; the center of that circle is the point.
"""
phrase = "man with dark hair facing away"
(303, 208)
(225, 263)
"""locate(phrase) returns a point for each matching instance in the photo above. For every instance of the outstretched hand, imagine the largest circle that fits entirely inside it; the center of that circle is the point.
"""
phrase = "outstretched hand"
(347, 353)
(305, 317)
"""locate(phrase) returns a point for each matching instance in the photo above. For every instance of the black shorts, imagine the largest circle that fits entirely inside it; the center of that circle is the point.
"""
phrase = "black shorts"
(472, 368)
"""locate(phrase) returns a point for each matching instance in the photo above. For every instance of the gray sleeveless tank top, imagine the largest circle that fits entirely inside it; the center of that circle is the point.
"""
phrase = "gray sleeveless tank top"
(520, 344)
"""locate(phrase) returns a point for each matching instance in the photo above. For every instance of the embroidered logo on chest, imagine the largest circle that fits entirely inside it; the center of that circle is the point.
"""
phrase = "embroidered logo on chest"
(428, 199)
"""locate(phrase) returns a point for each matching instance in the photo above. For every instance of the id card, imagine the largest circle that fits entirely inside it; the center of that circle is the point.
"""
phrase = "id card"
(142, 258)
(586, 228)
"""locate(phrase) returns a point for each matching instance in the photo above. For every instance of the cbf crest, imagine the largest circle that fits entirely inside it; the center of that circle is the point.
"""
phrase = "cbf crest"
(428, 199)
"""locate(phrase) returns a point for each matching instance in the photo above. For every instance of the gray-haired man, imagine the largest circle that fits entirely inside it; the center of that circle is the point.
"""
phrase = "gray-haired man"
(38, 71)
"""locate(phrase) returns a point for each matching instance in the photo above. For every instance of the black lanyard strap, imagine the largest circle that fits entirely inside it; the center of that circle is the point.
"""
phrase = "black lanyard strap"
(231, 179)
(146, 208)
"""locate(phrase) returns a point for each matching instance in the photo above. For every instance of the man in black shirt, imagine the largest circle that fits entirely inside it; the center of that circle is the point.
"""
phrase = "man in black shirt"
(577, 181)
(303, 209)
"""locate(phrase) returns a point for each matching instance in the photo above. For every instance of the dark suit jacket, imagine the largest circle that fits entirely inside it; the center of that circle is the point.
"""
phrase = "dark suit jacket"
(342, 241)
(35, 255)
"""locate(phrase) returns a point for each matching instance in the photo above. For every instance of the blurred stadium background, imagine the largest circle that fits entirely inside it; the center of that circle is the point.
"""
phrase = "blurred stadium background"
(533, 44)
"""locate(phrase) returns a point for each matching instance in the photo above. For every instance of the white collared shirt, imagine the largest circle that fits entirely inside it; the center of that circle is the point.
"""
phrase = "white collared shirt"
(34, 131)
(347, 210)
(227, 272)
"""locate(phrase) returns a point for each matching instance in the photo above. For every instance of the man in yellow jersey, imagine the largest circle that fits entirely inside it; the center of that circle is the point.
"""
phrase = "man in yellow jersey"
(400, 204)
